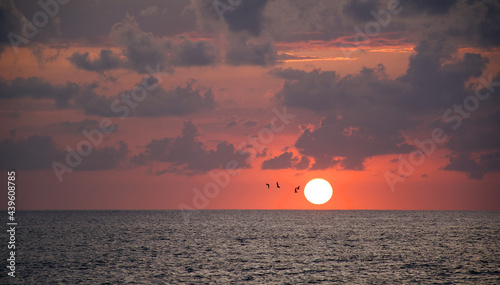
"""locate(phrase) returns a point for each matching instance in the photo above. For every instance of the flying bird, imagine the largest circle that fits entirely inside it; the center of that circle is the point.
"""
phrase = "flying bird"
(277, 185)
(297, 188)
(267, 185)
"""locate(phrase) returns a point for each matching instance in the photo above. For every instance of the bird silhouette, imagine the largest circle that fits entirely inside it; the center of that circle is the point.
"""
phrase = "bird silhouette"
(267, 185)
(297, 188)
(277, 185)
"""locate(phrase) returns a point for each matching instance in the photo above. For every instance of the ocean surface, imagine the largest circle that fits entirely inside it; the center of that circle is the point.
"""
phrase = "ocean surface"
(255, 247)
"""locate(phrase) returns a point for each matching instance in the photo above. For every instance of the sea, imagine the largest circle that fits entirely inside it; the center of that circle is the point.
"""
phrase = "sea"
(255, 247)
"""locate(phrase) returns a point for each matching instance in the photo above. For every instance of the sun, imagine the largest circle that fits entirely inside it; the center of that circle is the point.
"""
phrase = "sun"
(318, 191)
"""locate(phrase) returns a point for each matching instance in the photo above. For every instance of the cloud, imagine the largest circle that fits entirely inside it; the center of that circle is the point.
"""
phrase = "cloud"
(108, 157)
(65, 127)
(93, 104)
(10, 21)
(38, 88)
(33, 153)
(71, 22)
(149, 11)
(286, 160)
(142, 49)
(186, 155)
(105, 61)
(360, 10)
(303, 163)
(282, 161)
(336, 138)
(357, 125)
(200, 53)
(476, 136)
(38, 152)
(247, 16)
(241, 17)
(476, 133)
(158, 102)
(250, 123)
(487, 163)
(436, 84)
(429, 7)
(179, 101)
(289, 73)
(231, 123)
(368, 114)
(242, 52)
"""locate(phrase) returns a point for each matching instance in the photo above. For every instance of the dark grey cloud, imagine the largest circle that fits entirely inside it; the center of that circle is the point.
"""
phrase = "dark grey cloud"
(427, 84)
(33, 153)
(38, 152)
(65, 127)
(38, 88)
(303, 163)
(470, 23)
(105, 61)
(242, 23)
(247, 16)
(476, 133)
(11, 114)
(286, 160)
(72, 127)
(360, 9)
(179, 101)
(200, 53)
(108, 157)
(158, 102)
(250, 123)
(437, 85)
(283, 161)
(489, 27)
(93, 104)
(289, 73)
(366, 114)
(140, 48)
(243, 17)
(242, 52)
(337, 138)
(186, 155)
(231, 123)
(143, 49)
(10, 20)
(173, 18)
(429, 7)
(487, 163)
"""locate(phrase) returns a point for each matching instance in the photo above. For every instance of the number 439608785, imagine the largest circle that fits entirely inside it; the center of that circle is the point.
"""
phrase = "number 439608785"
(11, 186)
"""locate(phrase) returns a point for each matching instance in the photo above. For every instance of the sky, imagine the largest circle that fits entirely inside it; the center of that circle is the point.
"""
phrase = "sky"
(198, 104)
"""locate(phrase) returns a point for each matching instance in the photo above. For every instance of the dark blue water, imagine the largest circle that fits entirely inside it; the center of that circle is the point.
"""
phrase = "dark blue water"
(256, 247)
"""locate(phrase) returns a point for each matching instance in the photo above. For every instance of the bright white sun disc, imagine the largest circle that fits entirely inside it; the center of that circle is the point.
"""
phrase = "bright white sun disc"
(318, 191)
